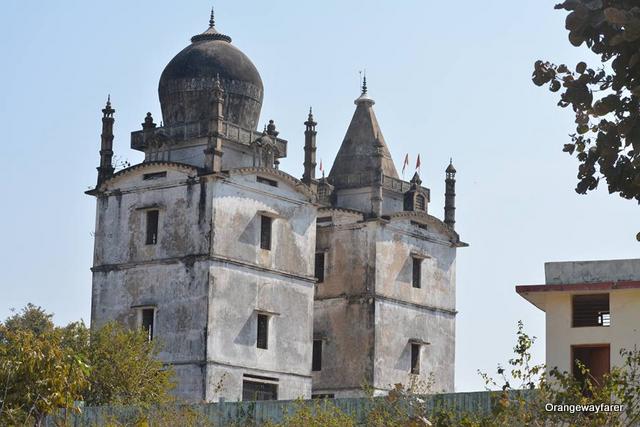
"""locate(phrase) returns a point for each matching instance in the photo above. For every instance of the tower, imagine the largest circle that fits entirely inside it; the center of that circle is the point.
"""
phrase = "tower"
(211, 254)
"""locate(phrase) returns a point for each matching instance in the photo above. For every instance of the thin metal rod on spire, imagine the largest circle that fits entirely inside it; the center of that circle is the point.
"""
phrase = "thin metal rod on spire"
(364, 82)
(212, 20)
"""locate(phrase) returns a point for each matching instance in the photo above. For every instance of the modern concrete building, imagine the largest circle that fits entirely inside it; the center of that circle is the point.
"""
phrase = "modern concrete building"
(273, 286)
(592, 311)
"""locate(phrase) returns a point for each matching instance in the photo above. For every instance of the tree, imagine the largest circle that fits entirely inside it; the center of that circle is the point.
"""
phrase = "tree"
(44, 368)
(604, 99)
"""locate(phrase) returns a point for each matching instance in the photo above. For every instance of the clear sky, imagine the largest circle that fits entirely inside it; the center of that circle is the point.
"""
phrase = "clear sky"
(449, 79)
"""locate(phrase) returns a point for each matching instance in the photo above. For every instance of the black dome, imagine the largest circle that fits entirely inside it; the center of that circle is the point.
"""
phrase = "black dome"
(186, 82)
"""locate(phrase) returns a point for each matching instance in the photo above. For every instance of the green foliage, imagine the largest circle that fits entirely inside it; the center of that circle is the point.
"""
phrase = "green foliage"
(606, 99)
(38, 375)
(125, 369)
(44, 368)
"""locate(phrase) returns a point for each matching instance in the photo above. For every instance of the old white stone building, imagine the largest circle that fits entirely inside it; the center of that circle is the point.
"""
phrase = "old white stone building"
(273, 286)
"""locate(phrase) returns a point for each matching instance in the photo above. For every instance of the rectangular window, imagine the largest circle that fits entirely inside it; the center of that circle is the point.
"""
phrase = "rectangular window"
(152, 226)
(591, 310)
(416, 272)
(267, 181)
(147, 321)
(320, 266)
(323, 396)
(265, 232)
(316, 359)
(262, 340)
(415, 358)
(154, 175)
(253, 390)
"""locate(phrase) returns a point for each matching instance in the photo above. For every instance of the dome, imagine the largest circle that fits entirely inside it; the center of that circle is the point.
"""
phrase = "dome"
(186, 83)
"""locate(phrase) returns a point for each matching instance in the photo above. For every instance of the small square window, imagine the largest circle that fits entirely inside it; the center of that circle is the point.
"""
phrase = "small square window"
(262, 340)
(152, 226)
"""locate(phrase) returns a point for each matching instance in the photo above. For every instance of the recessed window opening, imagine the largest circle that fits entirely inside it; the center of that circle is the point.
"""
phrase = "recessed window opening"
(420, 203)
(154, 175)
(416, 266)
(267, 181)
(152, 226)
(591, 310)
(262, 340)
(147, 320)
(265, 232)
(319, 266)
(415, 358)
(254, 390)
(316, 359)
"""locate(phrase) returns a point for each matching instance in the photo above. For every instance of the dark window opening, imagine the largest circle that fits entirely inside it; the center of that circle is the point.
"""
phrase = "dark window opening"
(265, 232)
(419, 225)
(148, 315)
(267, 181)
(417, 272)
(415, 358)
(591, 310)
(316, 359)
(320, 266)
(595, 358)
(323, 396)
(152, 227)
(263, 331)
(420, 203)
(252, 390)
(154, 175)
(324, 219)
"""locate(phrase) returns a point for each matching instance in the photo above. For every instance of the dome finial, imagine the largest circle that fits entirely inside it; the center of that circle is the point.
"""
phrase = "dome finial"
(212, 21)
(364, 82)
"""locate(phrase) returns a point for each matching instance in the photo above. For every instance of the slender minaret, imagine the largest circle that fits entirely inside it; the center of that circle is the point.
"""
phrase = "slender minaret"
(213, 152)
(309, 150)
(450, 196)
(105, 170)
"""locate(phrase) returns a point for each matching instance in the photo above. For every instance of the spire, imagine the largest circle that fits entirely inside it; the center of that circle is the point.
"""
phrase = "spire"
(211, 33)
(364, 97)
(309, 149)
(363, 148)
(105, 170)
(450, 196)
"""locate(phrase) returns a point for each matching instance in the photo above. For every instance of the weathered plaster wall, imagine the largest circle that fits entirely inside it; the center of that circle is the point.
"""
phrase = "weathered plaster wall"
(347, 329)
(396, 324)
(237, 294)
(238, 206)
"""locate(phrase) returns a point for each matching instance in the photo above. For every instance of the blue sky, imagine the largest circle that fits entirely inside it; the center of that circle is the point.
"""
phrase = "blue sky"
(449, 79)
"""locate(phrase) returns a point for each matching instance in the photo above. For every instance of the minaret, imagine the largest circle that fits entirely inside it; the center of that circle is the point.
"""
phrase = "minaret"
(105, 170)
(213, 152)
(309, 150)
(450, 196)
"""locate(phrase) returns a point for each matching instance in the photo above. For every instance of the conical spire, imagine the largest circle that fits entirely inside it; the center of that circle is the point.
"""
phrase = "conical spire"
(363, 149)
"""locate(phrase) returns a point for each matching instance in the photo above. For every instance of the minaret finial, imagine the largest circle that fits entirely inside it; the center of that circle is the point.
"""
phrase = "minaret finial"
(108, 100)
(364, 82)
(212, 20)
